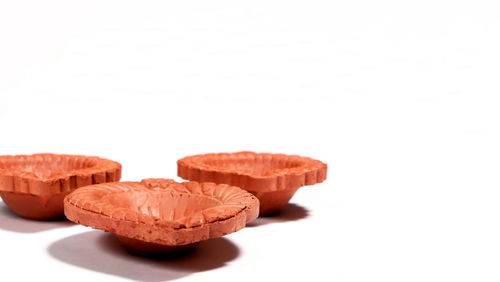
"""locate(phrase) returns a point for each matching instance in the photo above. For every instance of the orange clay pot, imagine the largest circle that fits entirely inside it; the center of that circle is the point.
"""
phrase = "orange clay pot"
(273, 178)
(161, 215)
(34, 186)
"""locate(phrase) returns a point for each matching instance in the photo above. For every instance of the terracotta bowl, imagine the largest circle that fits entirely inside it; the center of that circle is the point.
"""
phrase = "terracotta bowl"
(160, 215)
(34, 186)
(273, 178)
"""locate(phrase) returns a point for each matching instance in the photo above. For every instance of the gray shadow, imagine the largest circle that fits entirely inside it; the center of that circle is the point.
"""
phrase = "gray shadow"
(102, 252)
(10, 221)
(290, 212)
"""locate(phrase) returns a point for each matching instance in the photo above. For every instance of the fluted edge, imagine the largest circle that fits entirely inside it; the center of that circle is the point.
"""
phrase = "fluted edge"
(309, 173)
(12, 180)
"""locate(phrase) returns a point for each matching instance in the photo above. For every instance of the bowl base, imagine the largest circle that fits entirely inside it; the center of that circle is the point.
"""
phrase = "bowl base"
(271, 202)
(147, 249)
(35, 207)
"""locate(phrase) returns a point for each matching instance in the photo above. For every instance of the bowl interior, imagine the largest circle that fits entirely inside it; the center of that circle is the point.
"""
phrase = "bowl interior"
(256, 166)
(46, 167)
(162, 205)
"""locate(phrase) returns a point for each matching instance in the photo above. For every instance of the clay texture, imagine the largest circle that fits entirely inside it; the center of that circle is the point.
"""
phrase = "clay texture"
(161, 211)
(34, 186)
(273, 178)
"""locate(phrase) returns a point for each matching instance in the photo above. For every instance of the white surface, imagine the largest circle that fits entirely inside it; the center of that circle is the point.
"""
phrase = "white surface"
(401, 100)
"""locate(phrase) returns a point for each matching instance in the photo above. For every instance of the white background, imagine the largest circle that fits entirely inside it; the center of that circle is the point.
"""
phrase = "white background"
(400, 99)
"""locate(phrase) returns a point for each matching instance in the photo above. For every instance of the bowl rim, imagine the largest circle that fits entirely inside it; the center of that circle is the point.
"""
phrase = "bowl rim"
(310, 172)
(18, 181)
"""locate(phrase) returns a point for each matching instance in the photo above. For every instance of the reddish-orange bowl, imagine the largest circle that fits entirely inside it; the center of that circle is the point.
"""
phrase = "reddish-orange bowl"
(161, 215)
(34, 186)
(272, 178)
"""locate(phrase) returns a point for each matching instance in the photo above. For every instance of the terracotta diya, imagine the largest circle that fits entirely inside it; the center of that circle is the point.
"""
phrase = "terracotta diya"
(273, 178)
(34, 186)
(157, 216)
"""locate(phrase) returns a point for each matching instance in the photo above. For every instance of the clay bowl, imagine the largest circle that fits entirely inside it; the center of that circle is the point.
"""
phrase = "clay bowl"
(34, 186)
(160, 216)
(272, 178)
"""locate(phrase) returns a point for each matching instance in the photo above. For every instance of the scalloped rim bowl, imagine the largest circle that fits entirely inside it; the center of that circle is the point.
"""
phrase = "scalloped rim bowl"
(160, 214)
(272, 178)
(34, 186)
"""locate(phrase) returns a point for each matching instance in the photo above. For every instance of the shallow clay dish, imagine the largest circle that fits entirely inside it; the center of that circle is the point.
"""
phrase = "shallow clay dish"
(273, 178)
(161, 215)
(34, 186)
